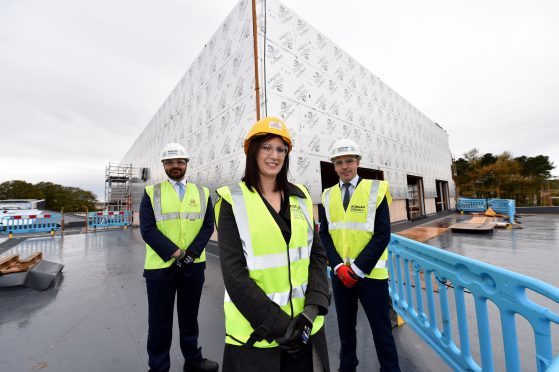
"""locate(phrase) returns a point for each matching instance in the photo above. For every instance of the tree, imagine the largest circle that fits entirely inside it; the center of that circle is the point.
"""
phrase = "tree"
(472, 156)
(505, 173)
(538, 166)
(487, 159)
(463, 170)
(19, 190)
(489, 176)
(72, 199)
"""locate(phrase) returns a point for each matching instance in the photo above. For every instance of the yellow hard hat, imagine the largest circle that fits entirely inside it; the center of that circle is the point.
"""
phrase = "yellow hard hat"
(268, 125)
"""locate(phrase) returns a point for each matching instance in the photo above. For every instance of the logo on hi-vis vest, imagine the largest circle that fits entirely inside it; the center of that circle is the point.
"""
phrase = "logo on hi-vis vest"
(192, 203)
(358, 209)
(297, 212)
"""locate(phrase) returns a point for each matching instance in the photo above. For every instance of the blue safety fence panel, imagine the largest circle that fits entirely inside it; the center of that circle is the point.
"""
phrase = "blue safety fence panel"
(503, 206)
(554, 367)
(471, 205)
(30, 223)
(450, 274)
(108, 219)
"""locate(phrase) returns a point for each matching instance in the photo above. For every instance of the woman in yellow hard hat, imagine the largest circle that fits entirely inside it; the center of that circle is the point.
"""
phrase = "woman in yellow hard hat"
(273, 264)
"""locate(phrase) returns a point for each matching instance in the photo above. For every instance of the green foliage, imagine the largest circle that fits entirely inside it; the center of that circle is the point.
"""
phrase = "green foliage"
(19, 190)
(488, 176)
(72, 199)
(538, 166)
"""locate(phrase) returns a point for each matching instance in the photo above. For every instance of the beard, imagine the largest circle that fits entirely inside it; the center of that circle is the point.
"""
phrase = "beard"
(176, 174)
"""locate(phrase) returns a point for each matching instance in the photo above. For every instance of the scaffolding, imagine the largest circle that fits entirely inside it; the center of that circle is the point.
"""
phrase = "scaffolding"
(118, 179)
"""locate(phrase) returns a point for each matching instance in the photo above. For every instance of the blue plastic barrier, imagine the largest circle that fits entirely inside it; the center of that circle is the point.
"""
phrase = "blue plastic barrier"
(506, 289)
(108, 219)
(30, 223)
(554, 367)
(471, 205)
(504, 206)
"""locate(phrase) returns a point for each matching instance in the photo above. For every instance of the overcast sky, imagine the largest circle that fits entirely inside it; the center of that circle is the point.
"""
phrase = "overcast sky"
(79, 80)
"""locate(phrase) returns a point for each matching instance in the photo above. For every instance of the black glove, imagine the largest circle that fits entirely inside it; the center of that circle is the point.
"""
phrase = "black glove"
(296, 335)
(186, 258)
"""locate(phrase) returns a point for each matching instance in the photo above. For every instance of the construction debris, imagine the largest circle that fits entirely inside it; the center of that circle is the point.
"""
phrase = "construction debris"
(475, 225)
(422, 233)
(491, 213)
(12, 264)
(33, 272)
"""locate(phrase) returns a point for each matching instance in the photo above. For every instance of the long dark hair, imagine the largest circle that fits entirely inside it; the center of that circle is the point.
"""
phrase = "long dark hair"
(252, 176)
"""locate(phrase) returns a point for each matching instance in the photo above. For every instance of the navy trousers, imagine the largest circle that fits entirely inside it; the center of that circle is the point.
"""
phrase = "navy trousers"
(373, 295)
(187, 286)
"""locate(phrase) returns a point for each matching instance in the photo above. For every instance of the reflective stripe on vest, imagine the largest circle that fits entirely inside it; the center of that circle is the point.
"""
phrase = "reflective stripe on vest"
(281, 298)
(271, 260)
(160, 216)
(278, 268)
(178, 220)
(349, 236)
(369, 225)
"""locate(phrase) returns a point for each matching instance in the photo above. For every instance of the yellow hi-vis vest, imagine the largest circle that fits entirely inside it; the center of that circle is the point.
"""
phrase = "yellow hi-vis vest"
(270, 261)
(352, 229)
(179, 221)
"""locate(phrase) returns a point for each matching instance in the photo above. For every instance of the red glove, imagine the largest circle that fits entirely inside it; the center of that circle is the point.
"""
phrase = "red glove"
(347, 276)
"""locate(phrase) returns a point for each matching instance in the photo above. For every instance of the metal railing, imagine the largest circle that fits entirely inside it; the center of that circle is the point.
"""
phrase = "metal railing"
(30, 223)
(108, 219)
(445, 272)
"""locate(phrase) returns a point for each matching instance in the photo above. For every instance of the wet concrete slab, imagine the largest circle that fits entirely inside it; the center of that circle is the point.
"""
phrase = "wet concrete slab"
(94, 318)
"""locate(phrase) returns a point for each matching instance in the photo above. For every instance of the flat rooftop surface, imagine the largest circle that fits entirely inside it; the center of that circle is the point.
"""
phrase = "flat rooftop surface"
(532, 250)
(94, 318)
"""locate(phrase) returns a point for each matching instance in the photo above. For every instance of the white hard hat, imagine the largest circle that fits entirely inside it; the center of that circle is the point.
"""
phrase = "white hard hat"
(173, 151)
(343, 147)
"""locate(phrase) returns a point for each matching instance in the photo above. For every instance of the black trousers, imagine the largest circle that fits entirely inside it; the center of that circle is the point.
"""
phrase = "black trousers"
(373, 295)
(244, 359)
(187, 286)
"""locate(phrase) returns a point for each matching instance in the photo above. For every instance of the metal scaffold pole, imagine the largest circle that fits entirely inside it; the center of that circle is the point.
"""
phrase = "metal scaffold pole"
(118, 179)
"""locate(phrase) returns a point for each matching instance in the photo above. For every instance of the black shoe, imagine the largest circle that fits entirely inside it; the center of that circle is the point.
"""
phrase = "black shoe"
(205, 365)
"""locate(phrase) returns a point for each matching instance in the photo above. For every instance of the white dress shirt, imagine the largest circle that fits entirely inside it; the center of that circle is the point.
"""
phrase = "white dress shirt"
(177, 187)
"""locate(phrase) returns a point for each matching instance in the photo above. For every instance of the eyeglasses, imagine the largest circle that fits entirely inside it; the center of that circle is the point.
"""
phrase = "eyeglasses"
(281, 150)
(338, 163)
(175, 162)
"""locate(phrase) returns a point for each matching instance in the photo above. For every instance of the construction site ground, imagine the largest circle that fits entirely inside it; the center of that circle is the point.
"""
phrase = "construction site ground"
(94, 317)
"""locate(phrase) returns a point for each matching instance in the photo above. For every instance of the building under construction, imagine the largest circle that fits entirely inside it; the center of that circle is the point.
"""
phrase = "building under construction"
(293, 71)
(477, 302)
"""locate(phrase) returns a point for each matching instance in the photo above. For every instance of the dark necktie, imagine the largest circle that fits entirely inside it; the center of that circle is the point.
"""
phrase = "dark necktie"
(346, 195)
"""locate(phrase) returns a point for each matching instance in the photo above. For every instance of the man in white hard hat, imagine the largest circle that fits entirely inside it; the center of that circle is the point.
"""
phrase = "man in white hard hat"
(355, 230)
(176, 222)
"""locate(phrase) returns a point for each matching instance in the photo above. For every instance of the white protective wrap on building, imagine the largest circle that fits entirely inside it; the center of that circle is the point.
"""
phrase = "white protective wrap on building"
(321, 92)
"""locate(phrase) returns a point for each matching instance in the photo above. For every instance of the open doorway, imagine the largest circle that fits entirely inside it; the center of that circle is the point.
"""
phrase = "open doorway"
(441, 200)
(415, 204)
(329, 177)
